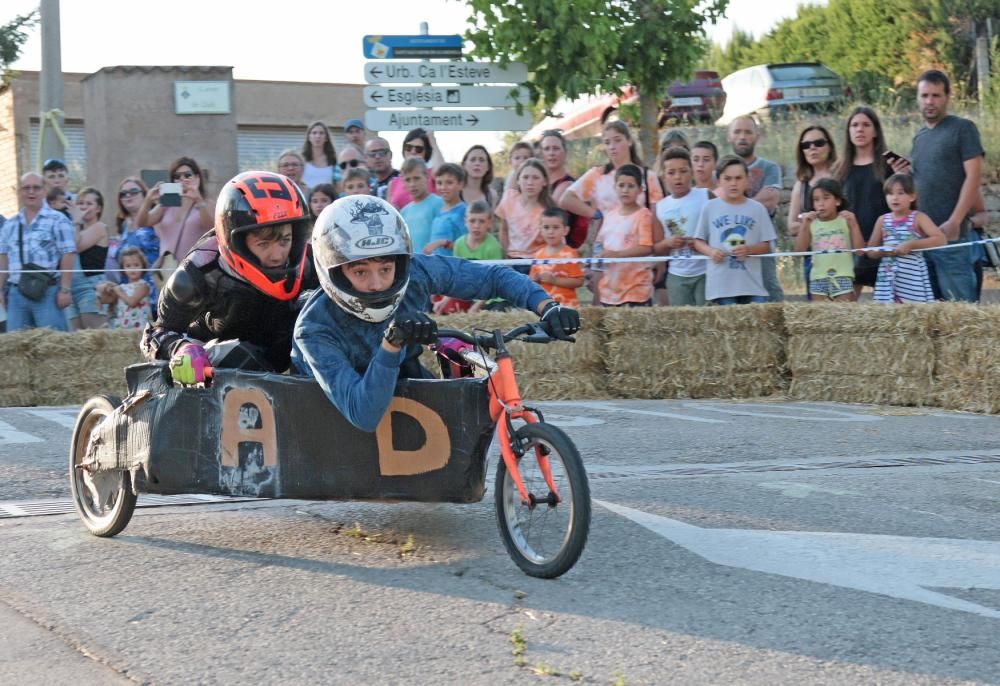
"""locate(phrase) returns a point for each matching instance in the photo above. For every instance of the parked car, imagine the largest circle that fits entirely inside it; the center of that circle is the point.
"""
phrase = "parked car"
(774, 90)
(700, 99)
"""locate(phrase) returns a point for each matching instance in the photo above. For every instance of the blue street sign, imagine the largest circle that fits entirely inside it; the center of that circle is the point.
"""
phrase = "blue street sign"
(421, 47)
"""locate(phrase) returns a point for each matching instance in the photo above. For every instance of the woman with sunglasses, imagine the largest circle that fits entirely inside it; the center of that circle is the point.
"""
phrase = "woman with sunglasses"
(815, 155)
(131, 192)
(179, 228)
(320, 156)
(418, 143)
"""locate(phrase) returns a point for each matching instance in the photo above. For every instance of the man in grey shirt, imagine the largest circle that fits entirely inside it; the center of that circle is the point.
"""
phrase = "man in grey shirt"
(947, 164)
(764, 186)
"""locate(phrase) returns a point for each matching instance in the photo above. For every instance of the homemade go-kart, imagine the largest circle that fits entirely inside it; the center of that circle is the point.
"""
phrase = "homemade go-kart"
(275, 436)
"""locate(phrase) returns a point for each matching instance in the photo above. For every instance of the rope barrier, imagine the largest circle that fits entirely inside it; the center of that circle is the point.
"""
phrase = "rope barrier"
(602, 261)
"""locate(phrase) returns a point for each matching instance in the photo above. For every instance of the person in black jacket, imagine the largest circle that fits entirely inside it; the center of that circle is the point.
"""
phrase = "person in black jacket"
(233, 300)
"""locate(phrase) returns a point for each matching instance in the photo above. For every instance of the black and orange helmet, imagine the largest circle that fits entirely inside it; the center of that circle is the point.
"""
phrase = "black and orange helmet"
(254, 200)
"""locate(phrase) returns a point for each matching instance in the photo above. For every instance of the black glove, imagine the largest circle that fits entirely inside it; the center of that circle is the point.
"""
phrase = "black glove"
(560, 322)
(414, 328)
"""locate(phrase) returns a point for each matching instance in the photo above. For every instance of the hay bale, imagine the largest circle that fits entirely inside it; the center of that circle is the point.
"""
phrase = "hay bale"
(967, 370)
(845, 353)
(16, 371)
(858, 319)
(878, 389)
(711, 352)
(556, 371)
(71, 367)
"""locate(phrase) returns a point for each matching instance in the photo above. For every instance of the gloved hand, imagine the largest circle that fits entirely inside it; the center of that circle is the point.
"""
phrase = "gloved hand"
(188, 363)
(413, 328)
(560, 322)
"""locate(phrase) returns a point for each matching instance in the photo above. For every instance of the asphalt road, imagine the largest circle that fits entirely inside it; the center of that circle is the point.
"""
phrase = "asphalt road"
(732, 543)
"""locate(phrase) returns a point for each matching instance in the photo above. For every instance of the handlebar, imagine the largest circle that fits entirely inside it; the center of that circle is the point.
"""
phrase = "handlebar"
(529, 333)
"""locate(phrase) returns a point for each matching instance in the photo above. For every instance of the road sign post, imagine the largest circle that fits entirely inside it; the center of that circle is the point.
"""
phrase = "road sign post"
(444, 72)
(447, 120)
(445, 96)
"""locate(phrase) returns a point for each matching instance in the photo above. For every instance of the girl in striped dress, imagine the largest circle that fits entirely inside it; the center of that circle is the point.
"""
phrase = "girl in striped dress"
(902, 274)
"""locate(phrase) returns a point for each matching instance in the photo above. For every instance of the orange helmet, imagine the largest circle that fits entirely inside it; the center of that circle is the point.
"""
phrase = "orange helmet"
(254, 200)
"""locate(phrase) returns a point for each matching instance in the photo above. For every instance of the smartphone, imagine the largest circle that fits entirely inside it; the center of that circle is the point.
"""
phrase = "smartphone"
(170, 194)
(891, 157)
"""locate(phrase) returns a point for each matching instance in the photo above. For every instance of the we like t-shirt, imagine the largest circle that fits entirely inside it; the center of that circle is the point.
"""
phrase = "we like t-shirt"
(725, 226)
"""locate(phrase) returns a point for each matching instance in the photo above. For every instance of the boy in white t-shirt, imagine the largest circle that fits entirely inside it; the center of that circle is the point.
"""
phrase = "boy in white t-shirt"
(677, 215)
(731, 230)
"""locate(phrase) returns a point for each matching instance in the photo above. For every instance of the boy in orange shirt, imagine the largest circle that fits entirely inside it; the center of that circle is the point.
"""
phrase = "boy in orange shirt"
(559, 280)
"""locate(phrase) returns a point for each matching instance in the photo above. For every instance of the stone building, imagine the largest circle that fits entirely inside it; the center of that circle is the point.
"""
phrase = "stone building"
(131, 121)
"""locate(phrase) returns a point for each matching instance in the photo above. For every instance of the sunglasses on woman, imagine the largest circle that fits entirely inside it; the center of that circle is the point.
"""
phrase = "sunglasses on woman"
(419, 149)
(182, 175)
(819, 143)
(349, 163)
(129, 192)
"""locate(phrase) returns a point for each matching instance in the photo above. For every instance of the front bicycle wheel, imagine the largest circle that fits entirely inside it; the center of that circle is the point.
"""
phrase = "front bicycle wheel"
(105, 500)
(547, 538)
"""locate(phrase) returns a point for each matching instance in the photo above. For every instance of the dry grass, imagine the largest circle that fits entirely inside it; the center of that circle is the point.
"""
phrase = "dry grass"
(68, 368)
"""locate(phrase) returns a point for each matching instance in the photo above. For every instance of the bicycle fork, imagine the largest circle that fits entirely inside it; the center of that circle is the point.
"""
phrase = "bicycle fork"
(505, 406)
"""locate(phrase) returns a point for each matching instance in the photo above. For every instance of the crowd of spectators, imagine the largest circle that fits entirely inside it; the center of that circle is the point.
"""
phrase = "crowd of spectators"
(711, 211)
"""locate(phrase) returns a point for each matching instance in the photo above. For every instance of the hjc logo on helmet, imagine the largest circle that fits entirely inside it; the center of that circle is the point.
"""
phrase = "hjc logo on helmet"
(371, 242)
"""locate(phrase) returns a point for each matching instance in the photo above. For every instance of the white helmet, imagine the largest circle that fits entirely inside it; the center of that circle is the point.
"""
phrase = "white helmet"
(360, 227)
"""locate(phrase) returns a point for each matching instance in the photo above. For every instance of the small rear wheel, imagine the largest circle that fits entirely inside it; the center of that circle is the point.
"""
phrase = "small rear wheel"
(104, 501)
(545, 539)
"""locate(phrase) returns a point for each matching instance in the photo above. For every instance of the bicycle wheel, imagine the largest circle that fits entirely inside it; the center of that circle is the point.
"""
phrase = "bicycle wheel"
(545, 540)
(104, 501)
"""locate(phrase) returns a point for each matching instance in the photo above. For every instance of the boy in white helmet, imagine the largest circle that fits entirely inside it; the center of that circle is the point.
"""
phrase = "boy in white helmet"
(363, 330)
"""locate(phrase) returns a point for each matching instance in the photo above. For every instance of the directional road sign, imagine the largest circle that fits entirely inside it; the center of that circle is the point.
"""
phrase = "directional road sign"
(400, 47)
(444, 72)
(447, 120)
(456, 96)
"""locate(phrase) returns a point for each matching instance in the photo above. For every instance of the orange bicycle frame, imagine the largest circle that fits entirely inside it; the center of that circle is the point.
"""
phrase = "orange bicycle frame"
(505, 406)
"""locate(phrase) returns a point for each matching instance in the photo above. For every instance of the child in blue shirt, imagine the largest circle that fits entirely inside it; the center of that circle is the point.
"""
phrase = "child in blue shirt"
(420, 212)
(449, 223)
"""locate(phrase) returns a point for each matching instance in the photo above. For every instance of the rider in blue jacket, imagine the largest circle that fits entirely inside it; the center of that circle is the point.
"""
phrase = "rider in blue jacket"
(363, 330)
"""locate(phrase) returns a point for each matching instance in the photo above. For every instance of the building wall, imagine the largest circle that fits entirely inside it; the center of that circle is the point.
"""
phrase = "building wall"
(136, 127)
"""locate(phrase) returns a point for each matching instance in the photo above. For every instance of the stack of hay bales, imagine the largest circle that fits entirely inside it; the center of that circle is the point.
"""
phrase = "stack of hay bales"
(554, 371)
(862, 353)
(68, 368)
(967, 373)
(16, 371)
(695, 352)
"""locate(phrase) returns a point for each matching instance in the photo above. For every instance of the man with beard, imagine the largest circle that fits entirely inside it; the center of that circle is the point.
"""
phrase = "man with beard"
(764, 186)
(947, 168)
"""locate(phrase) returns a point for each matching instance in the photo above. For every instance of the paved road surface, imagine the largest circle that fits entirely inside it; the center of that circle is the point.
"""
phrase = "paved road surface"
(732, 543)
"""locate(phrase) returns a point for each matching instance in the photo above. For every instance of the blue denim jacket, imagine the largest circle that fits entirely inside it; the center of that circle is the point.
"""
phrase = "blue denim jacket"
(345, 354)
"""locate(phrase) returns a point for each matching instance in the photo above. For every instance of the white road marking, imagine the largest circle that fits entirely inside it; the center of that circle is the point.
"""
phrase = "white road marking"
(13, 510)
(9, 435)
(989, 481)
(565, 420)
(608, 407)
(62, 417)
(740, 409)
(897, 566)
(794, 489)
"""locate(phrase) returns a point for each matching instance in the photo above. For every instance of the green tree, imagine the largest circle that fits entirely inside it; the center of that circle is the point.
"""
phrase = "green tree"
(737, 53)
(13, 35)
(590, 46)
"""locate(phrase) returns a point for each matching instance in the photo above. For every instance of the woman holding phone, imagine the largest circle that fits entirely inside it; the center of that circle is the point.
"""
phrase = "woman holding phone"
(861, 172)
(178, 210)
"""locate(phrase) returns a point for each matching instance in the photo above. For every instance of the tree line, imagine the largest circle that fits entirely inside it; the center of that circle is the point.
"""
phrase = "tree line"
(879, 46)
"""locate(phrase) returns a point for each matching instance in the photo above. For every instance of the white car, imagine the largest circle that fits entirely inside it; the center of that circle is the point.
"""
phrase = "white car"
(773, 90)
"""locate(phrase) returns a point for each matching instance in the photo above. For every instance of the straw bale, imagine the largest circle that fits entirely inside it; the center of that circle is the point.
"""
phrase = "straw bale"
(545, 372)
(708, 352)
(16, 371)
(884, 389)
(854, 318)
(967, 371)
(71, 367)
(873, 353)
